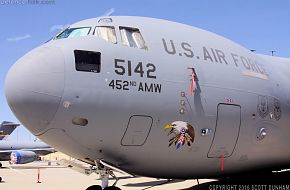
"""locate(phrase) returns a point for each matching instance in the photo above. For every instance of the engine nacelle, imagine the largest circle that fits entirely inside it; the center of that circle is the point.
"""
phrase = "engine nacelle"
(22, 157)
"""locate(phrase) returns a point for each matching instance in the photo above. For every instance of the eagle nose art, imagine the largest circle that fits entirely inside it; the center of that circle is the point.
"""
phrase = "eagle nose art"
(34, 86)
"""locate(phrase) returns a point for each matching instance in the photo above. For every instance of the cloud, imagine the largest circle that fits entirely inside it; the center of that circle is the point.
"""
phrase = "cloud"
(58, 27)
(109, 12)
(18, 38)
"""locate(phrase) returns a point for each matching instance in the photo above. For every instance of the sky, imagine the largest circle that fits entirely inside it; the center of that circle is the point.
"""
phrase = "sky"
(262, 25)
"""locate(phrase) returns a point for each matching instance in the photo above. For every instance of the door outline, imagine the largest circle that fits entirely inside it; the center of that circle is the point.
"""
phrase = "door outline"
(212, 142)
(128, 128)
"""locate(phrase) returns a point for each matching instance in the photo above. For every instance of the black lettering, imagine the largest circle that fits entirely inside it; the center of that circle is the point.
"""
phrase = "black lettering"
(141, 87)
(119, 69)
(245, 63)
(129, 68)
(139, 69)
(133, 83)
(186, 47)
(125, 85)
(157, 88)
(118, 84)
(213, 53)
(151, 69)
(206, 55)
(173, 51)
(234, 56)
(252, 65)
(152, 87)
(261, 68)
(112, 84)
(221, 56)
(148, 88)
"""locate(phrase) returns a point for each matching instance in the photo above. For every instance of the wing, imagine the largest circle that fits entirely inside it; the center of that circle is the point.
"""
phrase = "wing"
(5, 154)
(6, 129)
(41, 151)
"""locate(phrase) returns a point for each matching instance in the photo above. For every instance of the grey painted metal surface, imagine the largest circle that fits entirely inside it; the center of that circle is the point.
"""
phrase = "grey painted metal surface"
(228, 121)
(178, 82)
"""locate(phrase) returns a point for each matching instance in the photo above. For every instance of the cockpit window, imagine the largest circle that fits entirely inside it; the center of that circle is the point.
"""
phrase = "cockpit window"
(132, 37)
(87, 61)
(107, 33)
(74, 33)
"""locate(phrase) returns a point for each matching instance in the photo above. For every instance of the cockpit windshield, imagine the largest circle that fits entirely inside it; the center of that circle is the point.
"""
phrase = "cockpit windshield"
(74, 33)
(107, 33)
(132, 37)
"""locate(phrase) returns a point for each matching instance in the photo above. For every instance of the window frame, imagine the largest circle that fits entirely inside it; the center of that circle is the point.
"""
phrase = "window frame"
(109, 26)
(56, 36)
(81, 69)
(145, 47)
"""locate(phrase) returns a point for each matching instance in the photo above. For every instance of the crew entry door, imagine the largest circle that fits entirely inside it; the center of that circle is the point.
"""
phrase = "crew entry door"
(226, 131)
(137, 131)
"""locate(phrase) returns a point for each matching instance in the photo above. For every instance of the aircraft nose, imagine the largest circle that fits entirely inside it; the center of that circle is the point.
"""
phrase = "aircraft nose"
(34, 87)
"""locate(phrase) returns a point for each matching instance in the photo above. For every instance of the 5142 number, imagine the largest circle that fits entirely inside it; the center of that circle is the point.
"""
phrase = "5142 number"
(121, 68)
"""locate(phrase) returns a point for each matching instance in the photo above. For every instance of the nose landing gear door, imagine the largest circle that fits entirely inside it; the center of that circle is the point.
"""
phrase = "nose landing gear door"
(137, 131)
(226, 131)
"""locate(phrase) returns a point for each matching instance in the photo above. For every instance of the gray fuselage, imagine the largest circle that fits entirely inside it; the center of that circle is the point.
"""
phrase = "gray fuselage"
(239, 106)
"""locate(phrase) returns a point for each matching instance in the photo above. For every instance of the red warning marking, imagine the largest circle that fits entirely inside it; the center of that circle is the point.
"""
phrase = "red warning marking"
(193, 83)
(38, 176)
(223, 163)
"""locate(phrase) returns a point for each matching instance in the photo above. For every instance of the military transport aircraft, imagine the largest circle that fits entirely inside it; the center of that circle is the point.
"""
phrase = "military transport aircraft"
(23, 152)
(19, 152)
(154, 98)
(6, 128)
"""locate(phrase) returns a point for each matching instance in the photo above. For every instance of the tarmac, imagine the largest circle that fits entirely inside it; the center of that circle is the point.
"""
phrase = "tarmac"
(55, 176)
